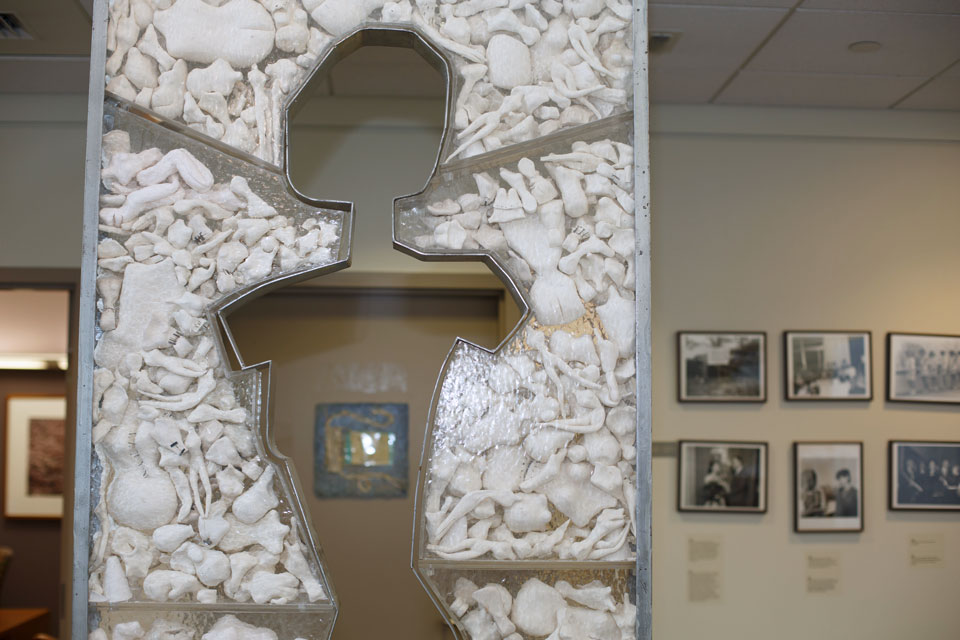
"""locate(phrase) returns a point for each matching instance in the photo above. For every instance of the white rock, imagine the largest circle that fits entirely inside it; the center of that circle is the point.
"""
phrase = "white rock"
(178, 161)
(576, 623)
(543, 443)
(162, 585)
(268, 532)
(504, 469)
(602, 447)
(273, 588)
(619, 321)
(509, 62)
(167, 98)
(140, 70)
(528, 513)
(169, 537)
(115, 586)
(480, 625)
(497, 601)
(554, 299)
(219, 78)
(535, 608)
(127, 630)
(239, 31)
(340, 16)
(573, 495)
(214, 568)
(229, 627)
(257, 500)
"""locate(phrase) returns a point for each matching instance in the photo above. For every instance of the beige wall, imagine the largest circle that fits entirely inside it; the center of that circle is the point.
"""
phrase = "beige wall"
(764, 219)
(773, 233)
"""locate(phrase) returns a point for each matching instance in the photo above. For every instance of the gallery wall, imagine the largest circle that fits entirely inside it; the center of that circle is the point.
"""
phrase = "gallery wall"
(770, 233)
(764, 219)
(31, 578)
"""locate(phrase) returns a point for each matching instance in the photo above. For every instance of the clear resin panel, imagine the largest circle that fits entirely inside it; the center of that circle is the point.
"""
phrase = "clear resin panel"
(193, 509)
(521, 70)
(530, 484)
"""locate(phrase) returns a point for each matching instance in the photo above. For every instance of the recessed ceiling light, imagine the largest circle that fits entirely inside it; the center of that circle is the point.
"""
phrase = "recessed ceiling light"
(662, 41)
(864, 46)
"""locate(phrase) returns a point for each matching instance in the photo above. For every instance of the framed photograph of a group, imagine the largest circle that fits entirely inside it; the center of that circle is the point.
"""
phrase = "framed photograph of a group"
(828, 486)
(722, 476)
(924, 476)
(722, 366)
(923, 367)
(828, 365)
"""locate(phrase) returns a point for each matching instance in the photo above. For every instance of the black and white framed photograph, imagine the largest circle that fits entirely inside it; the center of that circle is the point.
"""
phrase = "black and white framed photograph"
(924, 476)
(828, 486)
(828, 365)
(722, 366)
(923, 367)
(722, 476)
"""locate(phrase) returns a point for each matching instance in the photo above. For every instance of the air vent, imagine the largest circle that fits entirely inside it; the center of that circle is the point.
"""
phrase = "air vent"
(662, 41)
(12, 29)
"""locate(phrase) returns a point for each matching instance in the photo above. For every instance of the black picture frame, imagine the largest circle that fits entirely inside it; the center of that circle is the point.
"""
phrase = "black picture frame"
(898, 500)
(761, 485)
(907, 378)
(820, 516)
(715, 379)
(852, 375)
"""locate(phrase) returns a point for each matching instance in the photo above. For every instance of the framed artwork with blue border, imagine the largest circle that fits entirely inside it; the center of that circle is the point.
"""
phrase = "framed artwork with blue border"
(361, 450)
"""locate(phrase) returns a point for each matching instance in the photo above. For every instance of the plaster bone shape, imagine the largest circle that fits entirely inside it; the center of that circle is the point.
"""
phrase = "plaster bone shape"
(241, 32)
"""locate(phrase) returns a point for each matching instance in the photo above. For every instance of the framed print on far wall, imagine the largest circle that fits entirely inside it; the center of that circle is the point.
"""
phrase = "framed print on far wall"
(828, 365)
(828, 487)
(722, 476)
(924, 476)
(923, 367)
(34, 457)
(722, 366)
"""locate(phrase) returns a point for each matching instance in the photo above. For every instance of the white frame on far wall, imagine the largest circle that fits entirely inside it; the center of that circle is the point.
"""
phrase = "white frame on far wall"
(825, 454)
(17, 501)
(789, 373)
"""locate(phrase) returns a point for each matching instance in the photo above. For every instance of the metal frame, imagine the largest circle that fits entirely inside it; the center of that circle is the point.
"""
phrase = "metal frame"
(390, 36)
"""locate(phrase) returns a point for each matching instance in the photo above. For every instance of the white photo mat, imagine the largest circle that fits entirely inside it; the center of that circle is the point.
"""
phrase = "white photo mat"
(17, 501)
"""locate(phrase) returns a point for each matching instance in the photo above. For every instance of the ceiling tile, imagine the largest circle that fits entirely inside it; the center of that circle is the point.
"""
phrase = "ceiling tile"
(816, 90)
(685, 85)
(942, 93)
(58, 28)
(816, 42)
(907, 6)
(44, 74)
(953, 71)
(386, 71)
(704, 41)
(782, 4)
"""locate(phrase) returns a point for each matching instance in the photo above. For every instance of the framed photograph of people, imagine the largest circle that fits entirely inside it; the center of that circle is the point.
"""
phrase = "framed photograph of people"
(727, 366)
(34, 457)
(924, 476)
(828, 486)
(722, 476)
(828, 365)
(923, 367)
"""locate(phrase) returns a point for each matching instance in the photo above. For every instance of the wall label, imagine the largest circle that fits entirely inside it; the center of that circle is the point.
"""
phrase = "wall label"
(823, 573)
(926, 550)
(705, 569)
